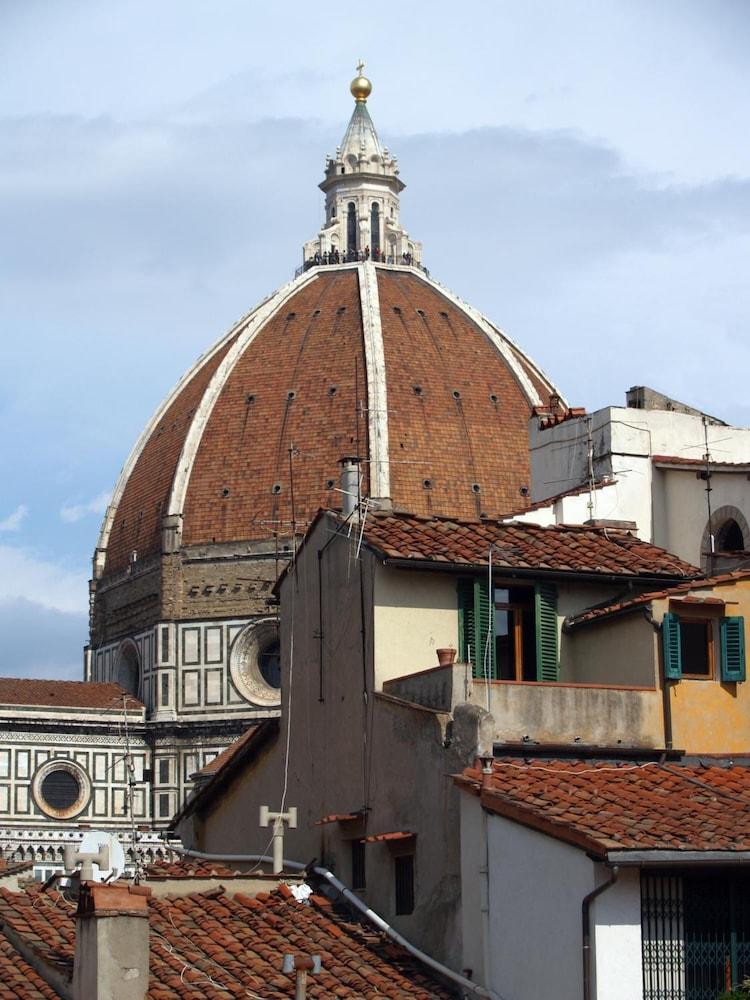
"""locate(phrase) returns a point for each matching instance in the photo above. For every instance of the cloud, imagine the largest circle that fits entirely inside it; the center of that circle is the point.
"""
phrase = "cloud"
(76, 512)
(14, 521)
(41, 642)
(25, 575)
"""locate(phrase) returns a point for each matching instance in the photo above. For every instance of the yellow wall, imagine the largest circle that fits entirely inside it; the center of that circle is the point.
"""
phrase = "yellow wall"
(708, 716)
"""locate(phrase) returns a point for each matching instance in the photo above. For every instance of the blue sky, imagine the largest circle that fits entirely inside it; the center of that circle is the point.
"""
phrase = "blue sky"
(579, 171)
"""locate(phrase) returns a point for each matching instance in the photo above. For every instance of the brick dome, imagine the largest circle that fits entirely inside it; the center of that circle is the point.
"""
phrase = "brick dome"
(361, 358)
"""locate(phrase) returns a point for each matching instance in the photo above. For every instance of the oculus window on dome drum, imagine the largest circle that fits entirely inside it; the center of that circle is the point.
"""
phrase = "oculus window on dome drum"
(688, 644)
(516, 640)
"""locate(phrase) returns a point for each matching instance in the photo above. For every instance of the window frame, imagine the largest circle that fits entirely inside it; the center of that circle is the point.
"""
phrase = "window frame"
(708, 623)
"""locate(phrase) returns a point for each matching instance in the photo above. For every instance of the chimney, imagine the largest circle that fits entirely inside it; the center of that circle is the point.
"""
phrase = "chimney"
(111, 959)
(349, 484)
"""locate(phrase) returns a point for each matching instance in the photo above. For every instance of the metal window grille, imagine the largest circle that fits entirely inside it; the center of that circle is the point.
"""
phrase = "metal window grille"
(695, 934)
(359, 879)
(403, 867)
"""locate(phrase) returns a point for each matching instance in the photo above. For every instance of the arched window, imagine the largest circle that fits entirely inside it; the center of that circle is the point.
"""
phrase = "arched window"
(351, 228)
(128, 668)
(729, 537)
(375, 230)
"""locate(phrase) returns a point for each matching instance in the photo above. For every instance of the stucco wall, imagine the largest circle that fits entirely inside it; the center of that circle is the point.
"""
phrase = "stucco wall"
(617, 651)
(536, 888)
(405, 643)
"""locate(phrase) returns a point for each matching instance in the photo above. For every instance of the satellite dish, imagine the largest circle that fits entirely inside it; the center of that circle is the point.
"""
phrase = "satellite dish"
(92, 841)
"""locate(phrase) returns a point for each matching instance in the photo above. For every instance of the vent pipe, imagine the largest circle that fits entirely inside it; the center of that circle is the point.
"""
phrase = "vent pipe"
(350, 469)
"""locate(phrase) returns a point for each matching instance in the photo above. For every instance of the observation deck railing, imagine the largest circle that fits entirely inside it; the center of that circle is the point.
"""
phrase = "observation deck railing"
(359, 256)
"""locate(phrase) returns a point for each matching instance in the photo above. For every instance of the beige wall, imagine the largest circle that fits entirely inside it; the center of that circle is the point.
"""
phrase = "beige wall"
(617, 651)
(415, 614)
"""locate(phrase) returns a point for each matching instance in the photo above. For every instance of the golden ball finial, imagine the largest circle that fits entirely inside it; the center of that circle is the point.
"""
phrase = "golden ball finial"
(360, 86)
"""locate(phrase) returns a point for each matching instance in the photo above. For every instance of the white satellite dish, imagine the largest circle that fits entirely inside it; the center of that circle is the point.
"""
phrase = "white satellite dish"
(92, 841)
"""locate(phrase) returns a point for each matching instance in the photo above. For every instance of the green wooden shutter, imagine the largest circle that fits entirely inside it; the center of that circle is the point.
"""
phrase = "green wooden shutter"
(545, 612)
(732, 632)
(466, 644)
(670, 637)
(484, 612)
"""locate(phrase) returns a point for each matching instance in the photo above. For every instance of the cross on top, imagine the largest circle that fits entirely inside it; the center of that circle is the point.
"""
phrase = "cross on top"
(360, 67)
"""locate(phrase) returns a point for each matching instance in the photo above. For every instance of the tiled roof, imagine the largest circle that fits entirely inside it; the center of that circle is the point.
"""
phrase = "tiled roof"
(299, 379)
(226, 755)
(188, 869)
(551, 500)
(623, 607)
(18, 980)
(64, 694)
(214, 944)
(242, 750)
(606, 807)
(561, 549)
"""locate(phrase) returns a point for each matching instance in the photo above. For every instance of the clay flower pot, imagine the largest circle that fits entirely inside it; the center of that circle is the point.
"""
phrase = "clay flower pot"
(446, 656)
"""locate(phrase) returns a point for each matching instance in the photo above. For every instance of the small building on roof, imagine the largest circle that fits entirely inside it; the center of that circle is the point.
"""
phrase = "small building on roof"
(691, 639)
(371, 724)
(605, 879)
(679, 475)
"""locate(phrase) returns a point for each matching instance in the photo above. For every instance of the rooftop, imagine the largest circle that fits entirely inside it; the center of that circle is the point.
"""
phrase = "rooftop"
(606, 807)
(216, 944)
(559, 549)
(65, 694)
(680, 590)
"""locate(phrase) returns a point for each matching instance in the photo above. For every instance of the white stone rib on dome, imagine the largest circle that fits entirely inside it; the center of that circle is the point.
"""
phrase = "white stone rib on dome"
(130, 462)
(203, 412)
(247, 329)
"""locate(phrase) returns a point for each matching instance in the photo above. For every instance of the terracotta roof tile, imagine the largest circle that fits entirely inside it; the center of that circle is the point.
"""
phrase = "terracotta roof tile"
(603, 807)
(633, 604)
(226, 755)
(64, 694)
(697, 462)
(561, 549)
(215, 944)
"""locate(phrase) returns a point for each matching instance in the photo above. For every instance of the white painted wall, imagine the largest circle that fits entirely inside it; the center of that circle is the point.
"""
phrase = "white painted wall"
(536, 888)
(668, 505)
(617, 972)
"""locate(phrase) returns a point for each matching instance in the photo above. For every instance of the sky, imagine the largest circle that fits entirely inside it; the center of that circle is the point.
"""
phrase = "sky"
(579, 171)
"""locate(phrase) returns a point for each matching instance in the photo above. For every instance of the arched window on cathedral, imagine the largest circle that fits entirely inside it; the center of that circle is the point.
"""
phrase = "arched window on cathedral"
(128, 668)
(375, 230)
(729, 537)
(351, 228)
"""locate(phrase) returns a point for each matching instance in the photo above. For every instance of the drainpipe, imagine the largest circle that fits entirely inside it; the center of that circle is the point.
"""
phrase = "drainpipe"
(296, 866)
(588, 899)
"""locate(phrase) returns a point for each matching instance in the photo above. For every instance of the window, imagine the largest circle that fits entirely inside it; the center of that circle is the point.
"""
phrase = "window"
(695, 933)
(165, 689)
(163, 772)
(351, 227)
(61, 789)
(164, 809)
(688, 647)
(375, 229)
(729, 537)
(359, 881)
(165, 644)
(403, 869)
(520, 643)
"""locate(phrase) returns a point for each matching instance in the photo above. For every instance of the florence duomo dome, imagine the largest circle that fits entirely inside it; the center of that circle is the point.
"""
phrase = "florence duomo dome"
(361, 353)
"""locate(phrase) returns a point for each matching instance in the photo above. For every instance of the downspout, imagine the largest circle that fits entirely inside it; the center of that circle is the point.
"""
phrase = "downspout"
(666, 701)
(588, 899)
(466, 984)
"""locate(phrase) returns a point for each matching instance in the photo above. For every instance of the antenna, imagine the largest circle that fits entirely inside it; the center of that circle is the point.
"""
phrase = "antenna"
(590, 466)
(707, 477)
(131, 782)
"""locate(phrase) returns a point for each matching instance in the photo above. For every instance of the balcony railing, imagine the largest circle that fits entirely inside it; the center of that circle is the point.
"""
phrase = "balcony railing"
(336, 259)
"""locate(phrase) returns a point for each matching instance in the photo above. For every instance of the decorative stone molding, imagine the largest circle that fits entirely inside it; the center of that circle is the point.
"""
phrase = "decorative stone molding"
(244, 663)
(81, 778)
